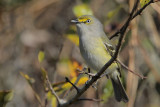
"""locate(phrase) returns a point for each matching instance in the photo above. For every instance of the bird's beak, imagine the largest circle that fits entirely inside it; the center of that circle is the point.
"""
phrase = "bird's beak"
(75, 21)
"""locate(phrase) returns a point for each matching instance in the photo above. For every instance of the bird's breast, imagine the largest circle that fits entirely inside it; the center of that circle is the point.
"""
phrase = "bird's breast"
(93, 51)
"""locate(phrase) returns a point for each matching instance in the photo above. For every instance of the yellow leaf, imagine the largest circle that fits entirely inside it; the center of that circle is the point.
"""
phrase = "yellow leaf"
(77, 65)
(82, 9)
(44, 73)
(41, 56)
(73, 80)
(143, 2)
(82, 81)
(29, 79)
(74, 38)
(52, 98)
(68, 85)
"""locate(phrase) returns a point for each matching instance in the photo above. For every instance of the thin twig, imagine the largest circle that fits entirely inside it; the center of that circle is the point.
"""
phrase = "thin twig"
(67, 80)
(52, 91)
(89, 74)
(140, 10)
(123, 65)
(84, 72)
(114, 35)
(35, 93)
(75, 83)
(136, 14)
(105, 74)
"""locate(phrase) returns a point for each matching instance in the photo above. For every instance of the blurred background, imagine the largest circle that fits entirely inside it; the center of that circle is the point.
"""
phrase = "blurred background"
(37, 35)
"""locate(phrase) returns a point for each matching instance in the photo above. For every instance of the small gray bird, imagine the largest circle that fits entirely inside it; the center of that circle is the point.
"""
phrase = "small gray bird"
(96, 49)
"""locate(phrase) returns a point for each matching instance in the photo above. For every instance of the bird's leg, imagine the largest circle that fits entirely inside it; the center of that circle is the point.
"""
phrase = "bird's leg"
(86, 71)
(91, 75)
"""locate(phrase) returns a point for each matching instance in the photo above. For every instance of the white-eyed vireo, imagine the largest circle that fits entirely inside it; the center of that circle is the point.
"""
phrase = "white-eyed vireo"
(94, 46)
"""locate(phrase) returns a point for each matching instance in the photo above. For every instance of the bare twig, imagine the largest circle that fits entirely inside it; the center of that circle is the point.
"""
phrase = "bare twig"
(89, 74)
(75, 83)
(35, 93)
(84, 72)
(123, 65)
(140, 10)
(141, 76)
(136, 14)
(77, 89)
(53, 92)
(114, 35)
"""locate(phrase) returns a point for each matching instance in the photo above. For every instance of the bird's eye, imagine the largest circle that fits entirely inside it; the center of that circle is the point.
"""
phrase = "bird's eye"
(88, 21)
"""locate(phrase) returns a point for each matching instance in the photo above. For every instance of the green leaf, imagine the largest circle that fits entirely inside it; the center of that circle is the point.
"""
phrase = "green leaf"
(41, 56)
(143, 2)
(5, 97)
(44, 73)
(29, 79)
(82, 9)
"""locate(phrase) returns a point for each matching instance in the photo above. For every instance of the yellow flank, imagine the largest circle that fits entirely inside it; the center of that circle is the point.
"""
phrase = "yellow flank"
(100, 51)
(99, 47)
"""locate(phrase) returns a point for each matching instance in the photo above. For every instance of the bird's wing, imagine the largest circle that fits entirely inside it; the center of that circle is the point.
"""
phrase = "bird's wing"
(108, 44)
(110, 47)
(106, 40)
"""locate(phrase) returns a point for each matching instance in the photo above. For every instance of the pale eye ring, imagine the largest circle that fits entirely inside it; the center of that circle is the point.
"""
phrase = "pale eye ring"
(88, 21)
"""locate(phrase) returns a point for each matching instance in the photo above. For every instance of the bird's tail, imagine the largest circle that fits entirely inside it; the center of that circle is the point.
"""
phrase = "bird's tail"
(119, 91)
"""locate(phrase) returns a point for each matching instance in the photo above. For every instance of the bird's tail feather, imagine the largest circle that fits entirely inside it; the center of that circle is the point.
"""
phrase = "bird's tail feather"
(119, 91)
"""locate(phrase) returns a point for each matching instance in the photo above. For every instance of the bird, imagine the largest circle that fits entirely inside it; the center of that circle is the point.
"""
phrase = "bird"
(96, 50)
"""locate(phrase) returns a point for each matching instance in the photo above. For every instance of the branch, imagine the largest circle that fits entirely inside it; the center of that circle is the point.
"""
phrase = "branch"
(84, 72)
(77, 89)
(136, 14)
(140, 10)
(60, 101)
(123, 65)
